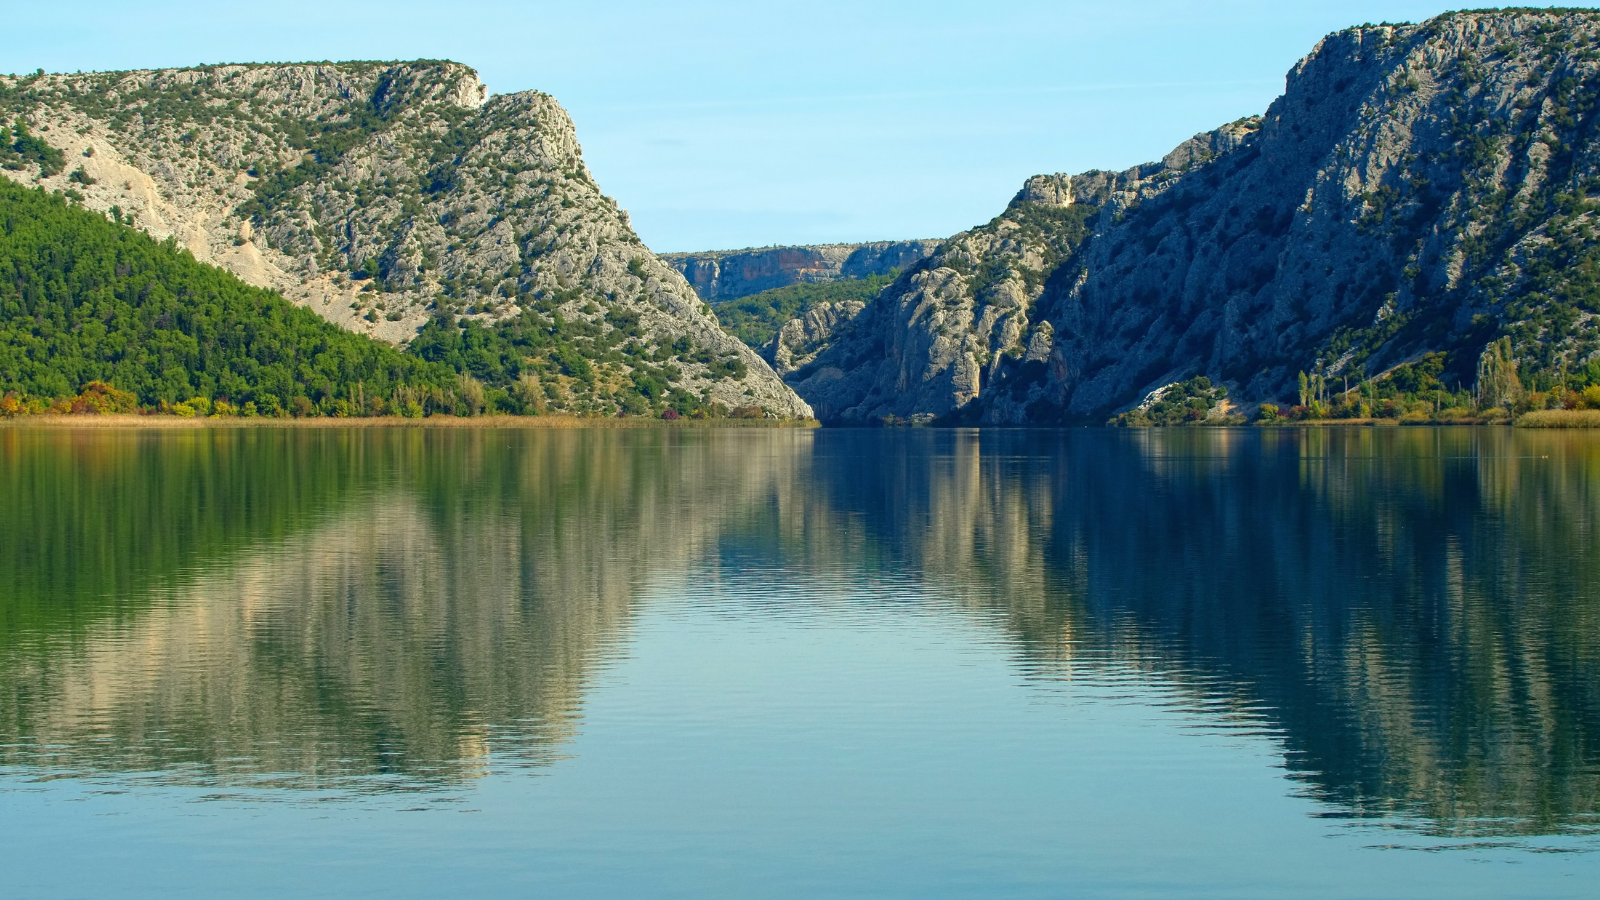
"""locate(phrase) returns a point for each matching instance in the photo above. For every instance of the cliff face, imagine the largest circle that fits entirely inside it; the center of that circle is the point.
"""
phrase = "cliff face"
(377, 194)
(1417, 189)
(730, 274)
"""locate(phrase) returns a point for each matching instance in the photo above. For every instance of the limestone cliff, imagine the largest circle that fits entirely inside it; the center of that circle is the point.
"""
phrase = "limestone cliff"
(730, 274)
(380, 194)
(1418, 188)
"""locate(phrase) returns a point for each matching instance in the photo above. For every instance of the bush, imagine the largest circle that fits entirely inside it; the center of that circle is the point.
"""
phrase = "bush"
(28, 148)
(101, 398)
(1191, 402)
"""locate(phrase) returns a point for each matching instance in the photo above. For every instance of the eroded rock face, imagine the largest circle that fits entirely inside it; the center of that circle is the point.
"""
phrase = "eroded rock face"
(1417, 188)
(730, 274)
(797, 343)
(376, 194)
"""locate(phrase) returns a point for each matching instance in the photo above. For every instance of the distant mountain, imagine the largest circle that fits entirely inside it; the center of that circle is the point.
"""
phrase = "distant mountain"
(731, 274)
(1419, 192)
(756, 318)
(390, 196)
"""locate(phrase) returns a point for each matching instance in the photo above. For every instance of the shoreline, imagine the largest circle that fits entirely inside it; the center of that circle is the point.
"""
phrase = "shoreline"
(1543, 419)
(1380, 423)
(179, 422)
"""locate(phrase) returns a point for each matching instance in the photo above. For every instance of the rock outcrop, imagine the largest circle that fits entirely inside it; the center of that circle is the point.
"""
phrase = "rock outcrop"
(378, 195)
(730, 274)
(799, 341)
(1418, 188)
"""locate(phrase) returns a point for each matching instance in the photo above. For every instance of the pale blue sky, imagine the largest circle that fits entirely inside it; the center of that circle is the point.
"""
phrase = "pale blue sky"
(720, 124)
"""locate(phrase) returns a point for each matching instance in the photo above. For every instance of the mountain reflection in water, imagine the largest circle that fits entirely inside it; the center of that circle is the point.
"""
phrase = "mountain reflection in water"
(1413, 615)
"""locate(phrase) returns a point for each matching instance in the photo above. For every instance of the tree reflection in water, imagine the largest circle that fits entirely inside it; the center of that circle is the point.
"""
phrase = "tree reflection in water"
(1411, 613)
(1415, 612)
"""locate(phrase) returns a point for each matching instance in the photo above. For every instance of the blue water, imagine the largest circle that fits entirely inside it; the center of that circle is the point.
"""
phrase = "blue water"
(1190, 663)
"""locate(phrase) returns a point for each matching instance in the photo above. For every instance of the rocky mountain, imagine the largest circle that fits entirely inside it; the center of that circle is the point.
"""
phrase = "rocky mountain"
(1417, 189)
(731, 274)
(384, 195)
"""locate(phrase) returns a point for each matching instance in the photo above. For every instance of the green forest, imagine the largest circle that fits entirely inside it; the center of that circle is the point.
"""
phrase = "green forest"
(97, 316)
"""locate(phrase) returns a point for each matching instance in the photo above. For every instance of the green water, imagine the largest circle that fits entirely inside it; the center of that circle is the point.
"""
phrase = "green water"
(1322, 663)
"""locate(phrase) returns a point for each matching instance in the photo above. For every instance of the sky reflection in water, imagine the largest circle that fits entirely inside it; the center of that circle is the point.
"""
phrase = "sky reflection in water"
(734, 663)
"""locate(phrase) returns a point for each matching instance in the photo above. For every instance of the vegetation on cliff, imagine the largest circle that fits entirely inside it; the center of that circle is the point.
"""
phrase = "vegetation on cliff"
(19, 148)
(541, 362)
(756, 318)
(96, 316)
(99, 314)
(1424, 191)
(1193, 402)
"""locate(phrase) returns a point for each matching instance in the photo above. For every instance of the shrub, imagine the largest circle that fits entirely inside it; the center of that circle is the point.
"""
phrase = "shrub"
(28, 148)
(100, 398)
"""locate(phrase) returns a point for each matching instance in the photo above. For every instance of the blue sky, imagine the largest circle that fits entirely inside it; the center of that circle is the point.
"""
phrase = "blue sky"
(723, 125)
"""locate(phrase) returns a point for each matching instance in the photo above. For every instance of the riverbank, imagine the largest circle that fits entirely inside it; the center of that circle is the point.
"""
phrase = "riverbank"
(1379, 423)
(1543, 418)
(179, 422)
(1560, 418)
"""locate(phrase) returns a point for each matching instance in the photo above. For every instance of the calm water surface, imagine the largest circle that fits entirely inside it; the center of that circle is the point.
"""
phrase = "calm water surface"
(786, 664)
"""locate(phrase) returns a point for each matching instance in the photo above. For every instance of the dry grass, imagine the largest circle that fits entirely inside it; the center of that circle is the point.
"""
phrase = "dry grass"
(128, 421)
(1560, 418)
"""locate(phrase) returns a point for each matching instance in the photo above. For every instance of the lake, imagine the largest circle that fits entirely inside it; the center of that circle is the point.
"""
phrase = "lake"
(790, 664)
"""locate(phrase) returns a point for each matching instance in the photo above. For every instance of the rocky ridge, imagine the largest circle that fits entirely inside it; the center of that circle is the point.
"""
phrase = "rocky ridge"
(1417, 188)
(730, 274)
(381, 195)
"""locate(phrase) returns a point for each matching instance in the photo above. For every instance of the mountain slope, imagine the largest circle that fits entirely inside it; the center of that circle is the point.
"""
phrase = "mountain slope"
(380, 195)
(85, 300)
(1418, 189)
